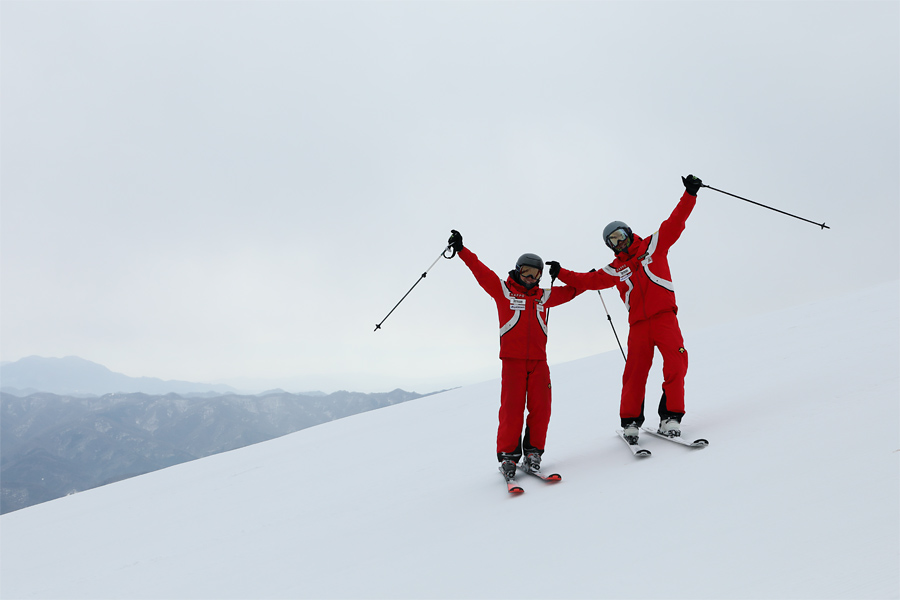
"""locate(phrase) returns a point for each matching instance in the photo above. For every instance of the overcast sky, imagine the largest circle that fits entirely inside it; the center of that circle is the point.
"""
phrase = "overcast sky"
(217, 190)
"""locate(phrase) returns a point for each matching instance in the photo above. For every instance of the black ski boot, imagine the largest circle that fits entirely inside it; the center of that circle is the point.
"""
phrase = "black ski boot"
(508, 468)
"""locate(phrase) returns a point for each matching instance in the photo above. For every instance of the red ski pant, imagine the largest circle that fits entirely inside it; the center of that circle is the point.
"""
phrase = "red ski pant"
(660, 331)
(524, 383)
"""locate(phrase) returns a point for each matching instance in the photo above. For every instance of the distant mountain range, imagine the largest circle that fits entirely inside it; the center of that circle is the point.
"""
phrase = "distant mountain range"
(69, 424)
(75, 376)
(52, 446)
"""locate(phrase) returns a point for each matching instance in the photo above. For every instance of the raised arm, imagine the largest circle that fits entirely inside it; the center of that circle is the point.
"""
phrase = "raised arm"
(487, 279)
(670, 229)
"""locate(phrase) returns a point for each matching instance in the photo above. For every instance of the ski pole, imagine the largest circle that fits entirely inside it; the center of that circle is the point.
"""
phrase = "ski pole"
(421, 277)
(609, 318)
(822, 225)
(547, 318)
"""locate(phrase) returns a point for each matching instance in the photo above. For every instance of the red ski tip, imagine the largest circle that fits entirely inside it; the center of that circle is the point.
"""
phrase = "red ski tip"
(516, 490)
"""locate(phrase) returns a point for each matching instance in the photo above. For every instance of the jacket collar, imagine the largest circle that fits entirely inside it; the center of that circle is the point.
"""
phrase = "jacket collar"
(518, 288)
(630, 252)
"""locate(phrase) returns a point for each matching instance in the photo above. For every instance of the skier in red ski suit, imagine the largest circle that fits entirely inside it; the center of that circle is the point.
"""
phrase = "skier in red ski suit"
(522, 307)
(640, 271)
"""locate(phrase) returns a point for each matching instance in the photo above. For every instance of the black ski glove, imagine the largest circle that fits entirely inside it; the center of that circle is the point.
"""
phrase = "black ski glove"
(692, 184)
(554, 268)
(455, 240)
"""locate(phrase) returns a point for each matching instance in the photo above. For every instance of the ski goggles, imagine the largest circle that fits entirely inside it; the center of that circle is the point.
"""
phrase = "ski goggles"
(613, 239)
(527, 270)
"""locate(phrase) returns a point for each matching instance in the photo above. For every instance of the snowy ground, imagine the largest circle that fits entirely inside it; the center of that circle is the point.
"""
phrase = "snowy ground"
(797, 495)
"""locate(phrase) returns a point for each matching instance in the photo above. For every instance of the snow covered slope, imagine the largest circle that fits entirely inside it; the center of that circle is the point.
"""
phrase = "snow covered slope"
(797, 495)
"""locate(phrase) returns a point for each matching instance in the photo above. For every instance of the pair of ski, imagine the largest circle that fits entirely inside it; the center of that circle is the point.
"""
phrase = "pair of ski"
(642, 452)
(514, 488)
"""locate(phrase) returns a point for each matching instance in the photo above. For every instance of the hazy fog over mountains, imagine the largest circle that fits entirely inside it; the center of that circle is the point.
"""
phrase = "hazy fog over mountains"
(54, 444)
(78, 377)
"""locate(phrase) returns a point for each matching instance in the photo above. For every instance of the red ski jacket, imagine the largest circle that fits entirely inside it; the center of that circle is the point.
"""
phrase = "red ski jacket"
(641, 273)
(522, 313)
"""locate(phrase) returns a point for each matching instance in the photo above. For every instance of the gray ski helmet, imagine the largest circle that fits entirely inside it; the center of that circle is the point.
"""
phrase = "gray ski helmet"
(612, 227)
(531, 260)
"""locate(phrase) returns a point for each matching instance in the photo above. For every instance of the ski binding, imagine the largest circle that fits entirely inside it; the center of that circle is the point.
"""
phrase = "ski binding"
(636, 449)
(552, 477)
(698, 443)
(511, 486)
